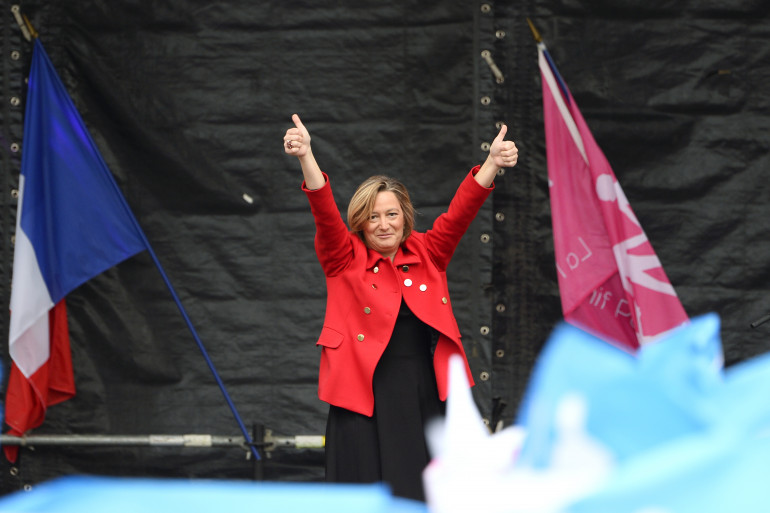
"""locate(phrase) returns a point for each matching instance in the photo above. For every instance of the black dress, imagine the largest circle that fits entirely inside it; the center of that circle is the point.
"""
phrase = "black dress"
(390, 446)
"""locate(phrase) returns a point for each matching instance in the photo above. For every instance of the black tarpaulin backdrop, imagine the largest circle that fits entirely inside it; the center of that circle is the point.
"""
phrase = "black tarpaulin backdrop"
(188, 102)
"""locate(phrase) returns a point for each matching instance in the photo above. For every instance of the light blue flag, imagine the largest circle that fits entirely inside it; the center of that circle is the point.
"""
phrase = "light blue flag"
(634, 403)
(127, 495)
(721, 468)
(686, 434)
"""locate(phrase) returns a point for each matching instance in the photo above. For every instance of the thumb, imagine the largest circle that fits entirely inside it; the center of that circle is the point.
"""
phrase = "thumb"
(501, 134)
(297, 121)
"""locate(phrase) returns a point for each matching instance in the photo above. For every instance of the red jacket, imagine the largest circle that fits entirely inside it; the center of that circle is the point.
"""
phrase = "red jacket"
(364, 292)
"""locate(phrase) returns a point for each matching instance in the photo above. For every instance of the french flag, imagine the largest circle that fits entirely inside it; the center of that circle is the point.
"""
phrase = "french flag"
(610, 279)
(72, 224)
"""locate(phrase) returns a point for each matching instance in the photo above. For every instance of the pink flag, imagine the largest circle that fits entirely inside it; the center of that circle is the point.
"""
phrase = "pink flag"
(610, 279)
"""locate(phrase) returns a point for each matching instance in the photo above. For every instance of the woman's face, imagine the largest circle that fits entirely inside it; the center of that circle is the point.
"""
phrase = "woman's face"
(385, 229)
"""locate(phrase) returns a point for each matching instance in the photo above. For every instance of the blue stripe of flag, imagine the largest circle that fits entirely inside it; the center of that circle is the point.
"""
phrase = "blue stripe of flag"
(557, 76)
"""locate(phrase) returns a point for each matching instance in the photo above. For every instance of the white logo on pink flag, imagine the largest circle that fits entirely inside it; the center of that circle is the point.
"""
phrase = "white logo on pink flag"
(610, 279)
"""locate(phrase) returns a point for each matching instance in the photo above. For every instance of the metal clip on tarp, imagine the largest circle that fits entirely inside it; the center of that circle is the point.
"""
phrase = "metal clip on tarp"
(27, 30)
(20, 21)
(487, 56)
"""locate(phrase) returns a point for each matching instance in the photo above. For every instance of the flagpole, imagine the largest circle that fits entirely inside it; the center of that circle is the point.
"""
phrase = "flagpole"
(535, 33)
(187, 320)
(189, 323)
(541, 44)
(198, 341)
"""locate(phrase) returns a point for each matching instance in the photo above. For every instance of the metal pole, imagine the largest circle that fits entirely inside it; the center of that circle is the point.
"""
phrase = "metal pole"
(190, 440)
(265, 440)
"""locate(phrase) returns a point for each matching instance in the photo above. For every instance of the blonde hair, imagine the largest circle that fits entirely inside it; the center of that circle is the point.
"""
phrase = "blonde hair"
(362, 203)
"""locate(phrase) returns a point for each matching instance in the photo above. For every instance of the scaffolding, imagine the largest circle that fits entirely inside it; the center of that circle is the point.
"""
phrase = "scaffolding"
(264, 440)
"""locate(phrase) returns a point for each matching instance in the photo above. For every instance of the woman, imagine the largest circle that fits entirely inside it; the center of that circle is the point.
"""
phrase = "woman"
(389, 329)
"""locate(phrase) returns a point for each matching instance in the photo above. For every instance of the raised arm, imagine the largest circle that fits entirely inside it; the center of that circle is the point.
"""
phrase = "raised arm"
(502, 153)
(297, 142)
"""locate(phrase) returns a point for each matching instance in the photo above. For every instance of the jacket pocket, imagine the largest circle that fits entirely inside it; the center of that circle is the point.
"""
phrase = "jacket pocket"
(330, 338)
